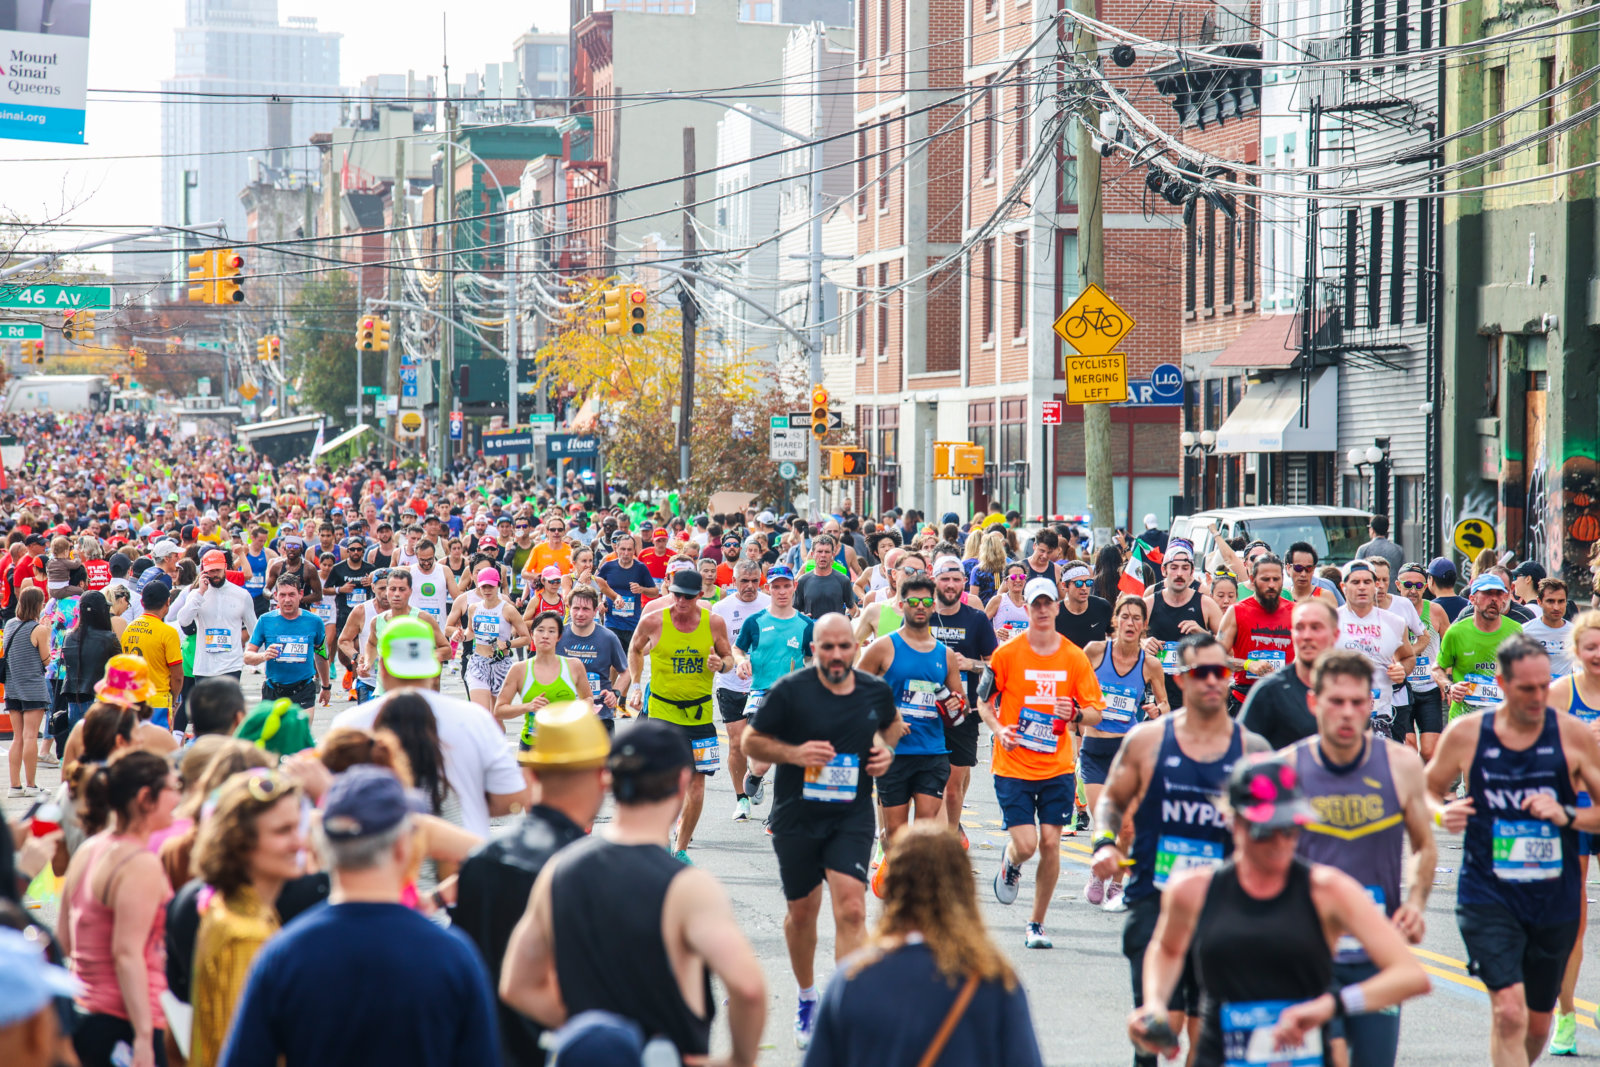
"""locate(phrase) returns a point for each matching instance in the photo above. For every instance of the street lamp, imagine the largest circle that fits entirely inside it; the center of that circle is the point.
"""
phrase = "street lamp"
(1376, 456)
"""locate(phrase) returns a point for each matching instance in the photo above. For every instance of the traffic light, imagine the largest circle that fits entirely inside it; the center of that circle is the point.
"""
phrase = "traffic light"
(136, 357)
(847, 463)
(367, 333)
(263, 349)
(819, 413)
(35, 350)
(637, 301)
(382, 335)
(202, 282)
(78, 326)
(228, 265)
(614, 312)
(275, 347)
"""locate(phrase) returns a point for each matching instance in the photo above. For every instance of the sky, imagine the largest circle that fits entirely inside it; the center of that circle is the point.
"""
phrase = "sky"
(131, 46)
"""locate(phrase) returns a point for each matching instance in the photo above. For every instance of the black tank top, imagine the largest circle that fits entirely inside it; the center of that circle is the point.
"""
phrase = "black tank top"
(1164, 618)
(1289, 962)
(605, 908)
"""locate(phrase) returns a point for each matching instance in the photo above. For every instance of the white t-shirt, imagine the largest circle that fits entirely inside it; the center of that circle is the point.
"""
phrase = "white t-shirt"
(1406, 612)
(1377, 636)
(477, 754)
(429, 592)
(735, 611)
(1554, 640)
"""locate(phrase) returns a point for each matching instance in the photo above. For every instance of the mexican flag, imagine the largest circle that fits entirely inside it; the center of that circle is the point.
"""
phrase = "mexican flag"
(1132, 578)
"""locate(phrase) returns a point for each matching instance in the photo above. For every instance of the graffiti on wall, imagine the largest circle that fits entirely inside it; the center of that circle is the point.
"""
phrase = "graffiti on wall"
(1479, 503)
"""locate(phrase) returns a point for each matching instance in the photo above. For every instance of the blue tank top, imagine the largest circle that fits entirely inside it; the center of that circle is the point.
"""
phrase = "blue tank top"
(1124, 694)
(914, 677)
(1509, 859)
(256, 580)
(1582, 710)
(1177, 824)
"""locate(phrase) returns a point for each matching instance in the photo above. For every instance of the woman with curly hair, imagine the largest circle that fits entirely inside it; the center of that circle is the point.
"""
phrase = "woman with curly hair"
(248, 849)
(930, 961)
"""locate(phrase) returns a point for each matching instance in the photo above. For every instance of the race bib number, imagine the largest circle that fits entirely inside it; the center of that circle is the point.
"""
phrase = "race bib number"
(1526, 850)
(707, 754)
(218, 642)
(625, 609)
(437, 613)
(1485, 693)
(1420, 672)
(486, 628)
(1174, 855)
(293, 651)
(834, 783)
(1169, 658)
(1122, 705)
(753, 702)
(1348, 949)
(357, 596)
(323, 610)
(917, 699)
(1248, 1039)
(1263, 661)
(1036, 731)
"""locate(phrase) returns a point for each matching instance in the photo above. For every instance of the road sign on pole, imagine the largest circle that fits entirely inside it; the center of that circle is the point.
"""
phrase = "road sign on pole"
(21, 331)
(1050, 411)
(1097, 379)
(56, 297)
(788, 445)
(458, 422)
(1093, 324)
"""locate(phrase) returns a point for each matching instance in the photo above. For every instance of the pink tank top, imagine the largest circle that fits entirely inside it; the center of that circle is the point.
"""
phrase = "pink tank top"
(92, 960)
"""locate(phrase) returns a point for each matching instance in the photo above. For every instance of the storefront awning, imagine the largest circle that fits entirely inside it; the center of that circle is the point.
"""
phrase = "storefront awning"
(1272, 342)
(1268, 417)
(343, 439)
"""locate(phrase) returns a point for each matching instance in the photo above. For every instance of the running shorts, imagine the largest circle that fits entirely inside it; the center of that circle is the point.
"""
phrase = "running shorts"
(484, 672)
(803, 860)
(1502, 950)
(1095, 756)
(962, 741)
(923, 775)
(1046, 801)
(730, 702)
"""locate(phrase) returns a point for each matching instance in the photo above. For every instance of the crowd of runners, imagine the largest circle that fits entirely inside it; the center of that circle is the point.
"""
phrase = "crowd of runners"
(1258, 747)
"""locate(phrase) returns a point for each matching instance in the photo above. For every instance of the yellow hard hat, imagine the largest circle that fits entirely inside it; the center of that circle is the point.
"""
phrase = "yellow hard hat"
(569, 737)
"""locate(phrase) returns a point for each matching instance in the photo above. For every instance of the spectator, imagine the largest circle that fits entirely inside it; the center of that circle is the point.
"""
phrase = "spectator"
(206, 767)
(89, 647)
(216, 706)
(366, 946)
(26, 645)
(30, 1027)
(1108, 572)
(104, 729)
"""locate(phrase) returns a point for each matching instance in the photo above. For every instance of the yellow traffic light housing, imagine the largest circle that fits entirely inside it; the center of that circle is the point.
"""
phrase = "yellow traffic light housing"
(954, 460)
(263, 349)
(37, 350)
(202, 280)
(847, 463)
(381, 337)
(638, 304)
(819, 413)
(136, 357)
(78, 326)
(228, 265)
(367, 333)
(611, 303)
(274, 347)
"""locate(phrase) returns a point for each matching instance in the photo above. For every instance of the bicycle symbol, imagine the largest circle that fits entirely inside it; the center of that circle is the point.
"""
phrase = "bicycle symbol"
(1095, 319)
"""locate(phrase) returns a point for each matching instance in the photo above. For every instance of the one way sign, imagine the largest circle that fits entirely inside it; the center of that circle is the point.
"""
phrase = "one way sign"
(801, 420)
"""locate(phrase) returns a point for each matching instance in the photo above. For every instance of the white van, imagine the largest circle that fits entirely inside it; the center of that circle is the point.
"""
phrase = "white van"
(1335, 533)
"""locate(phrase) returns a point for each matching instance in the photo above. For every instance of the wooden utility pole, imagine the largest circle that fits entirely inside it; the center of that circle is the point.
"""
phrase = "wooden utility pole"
(1092, 271)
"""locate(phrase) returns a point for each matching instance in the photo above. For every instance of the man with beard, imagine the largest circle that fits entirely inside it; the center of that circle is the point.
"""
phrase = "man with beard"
(1178, 610)
(1277, 706)
(1256, 631)
(223, 616)
(968, 633)
(1466, 668)
(294, 564)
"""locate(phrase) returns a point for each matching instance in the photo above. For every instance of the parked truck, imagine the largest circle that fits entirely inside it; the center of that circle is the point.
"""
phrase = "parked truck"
(61, 393)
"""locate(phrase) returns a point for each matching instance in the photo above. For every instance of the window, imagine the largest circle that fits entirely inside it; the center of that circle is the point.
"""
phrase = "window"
(1402, 27)
(1249, 207)
(861, 313)
(1230, 247)
(862, 42)
(1427, 24)
(883, 29)
(989, 7)
(980, 431)
(1019, 285)
(1209, 257)
(1495, 135)
(862, 172)
(1380, 14)
(1191, 266)
(1375, 267)
(883, 165)
(1352, 236)
(1547, 108)
(1013, 453)
(986, 131)
(883, 310)
(1020, 134)
(1355, 29)
(1425, 209)
(985, 283)
(1397, 263)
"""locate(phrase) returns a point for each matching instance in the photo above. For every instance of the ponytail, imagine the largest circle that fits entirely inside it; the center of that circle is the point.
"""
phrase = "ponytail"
(90, 785)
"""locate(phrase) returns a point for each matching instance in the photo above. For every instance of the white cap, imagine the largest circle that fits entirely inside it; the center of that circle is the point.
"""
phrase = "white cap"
(163, 549)
(948, 564)
(1038, 587)
(1150, 521)
(766, 518)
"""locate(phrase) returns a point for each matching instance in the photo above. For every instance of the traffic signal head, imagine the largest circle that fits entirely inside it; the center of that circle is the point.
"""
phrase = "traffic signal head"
(274, 346)
(68, 329)
(637, 301)
(83, 323)
(202, 282)
(613, 313)
(367, 333)
(263, 349)
(381, 337)
(847, 463)
(819, 412)
(36, 349)
(228, 265)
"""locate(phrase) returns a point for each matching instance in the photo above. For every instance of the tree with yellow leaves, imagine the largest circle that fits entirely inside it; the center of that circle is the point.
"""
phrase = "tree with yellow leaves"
(635, 381)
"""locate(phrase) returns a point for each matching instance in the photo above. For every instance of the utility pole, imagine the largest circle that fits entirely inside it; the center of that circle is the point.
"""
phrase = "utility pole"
(814, 446)
(397, 198)
(447, 347)
(691, 311)
(1092, 271)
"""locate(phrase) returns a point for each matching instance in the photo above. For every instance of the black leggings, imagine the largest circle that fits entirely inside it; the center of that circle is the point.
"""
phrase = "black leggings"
(97, 1036)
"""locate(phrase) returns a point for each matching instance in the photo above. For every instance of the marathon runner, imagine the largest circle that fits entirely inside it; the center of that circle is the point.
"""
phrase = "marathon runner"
(1132, 682)
(492, 627)
(632, 582)
(293, 562)
(1370, 800)
(1377, 634)
(686, 645)
(1551, 629)
(398, 588)
(1169, 773)
(1257, 631)
(826, 729)
(356, 630)
(545, 678)
(769, 645)
(292, 647)
(1304, 582)
(1442, 584)
(1466, 668)
(1518, 897)
(1084, 618)
(254, 559)
(1037, 685)
(1007, 611)
(881, 617)
(223, 616)
(1280, 913)
(968, 633)
(352, 583)
(730, 686)
(1278, 707)
(1177, 610)
(1420, 724)
(598, 650)
(430, 584)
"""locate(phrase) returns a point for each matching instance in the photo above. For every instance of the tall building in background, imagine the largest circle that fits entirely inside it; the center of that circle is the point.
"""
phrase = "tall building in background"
(207, 140)
(543, 61)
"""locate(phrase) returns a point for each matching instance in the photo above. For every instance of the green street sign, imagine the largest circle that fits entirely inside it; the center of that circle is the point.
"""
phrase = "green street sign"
(55, 297)
(372, 390)
(541, 420)
(778, 422)
(21, 331)
(215, 346)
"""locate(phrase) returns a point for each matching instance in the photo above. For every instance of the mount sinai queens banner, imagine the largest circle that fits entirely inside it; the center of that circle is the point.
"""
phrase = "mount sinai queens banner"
(44, 69)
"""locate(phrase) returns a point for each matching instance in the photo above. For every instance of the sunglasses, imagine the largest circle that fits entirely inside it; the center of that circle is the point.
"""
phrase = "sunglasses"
(1207, 672)
(911, 570)
(1301, 568)
(918, 601)
(1016, 577)
(268, 786)
(1413, 585)
(1081, 583)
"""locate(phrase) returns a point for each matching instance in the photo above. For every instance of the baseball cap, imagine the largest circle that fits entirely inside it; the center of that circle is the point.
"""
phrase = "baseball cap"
(687, 582)
(766, 518)
(367, 800)
(779, 573)
(1442, 569)
(1150, 521)
(489, 576)
(407, 650)
(216, 557)
(1264, 791)
(650, 746)
(1530, 570)
(27, 982)
(488, 541)
(1487, 583)
(660, 534)
(950, 516)
(948, 565)
(1039, 587)
(551, 573)
(1177, 547)
(163, 549)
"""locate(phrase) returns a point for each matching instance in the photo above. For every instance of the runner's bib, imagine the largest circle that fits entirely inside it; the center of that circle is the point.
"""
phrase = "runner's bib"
(357, 596)
(834, 783)
(707, 754)
(1174, 855)
(1266, 660)
(293, 651)
(753, 702)
(1420, 672)
(1348, 948)
(1526, 850)
(1169, 658)
(218, 642)
(486, 627)
(623, 610)
(1485, 692)
(1247, 1037)
(1121, 705)
(917, 699)
(1036, 731)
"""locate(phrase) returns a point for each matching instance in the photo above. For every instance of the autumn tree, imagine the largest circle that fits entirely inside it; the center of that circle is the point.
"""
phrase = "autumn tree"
(635, 381)
(321, 347)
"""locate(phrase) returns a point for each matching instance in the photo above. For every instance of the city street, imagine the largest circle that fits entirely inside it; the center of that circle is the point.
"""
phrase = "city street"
(1078, 991)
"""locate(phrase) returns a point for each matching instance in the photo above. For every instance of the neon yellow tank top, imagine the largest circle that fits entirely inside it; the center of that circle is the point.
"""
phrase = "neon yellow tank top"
(680, 684)
(889, 619)
(557, 691)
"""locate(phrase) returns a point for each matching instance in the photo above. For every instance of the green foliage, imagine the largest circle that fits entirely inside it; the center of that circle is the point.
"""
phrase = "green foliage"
(321, 347)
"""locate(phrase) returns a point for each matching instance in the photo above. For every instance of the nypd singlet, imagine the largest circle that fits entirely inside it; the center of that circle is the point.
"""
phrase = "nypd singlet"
(1177, 824)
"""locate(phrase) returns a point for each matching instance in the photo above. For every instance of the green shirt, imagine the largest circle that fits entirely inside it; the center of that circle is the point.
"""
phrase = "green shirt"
(1468, 654)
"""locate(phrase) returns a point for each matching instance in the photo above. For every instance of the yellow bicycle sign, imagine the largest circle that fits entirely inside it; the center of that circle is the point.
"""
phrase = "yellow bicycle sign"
(1094, 324)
